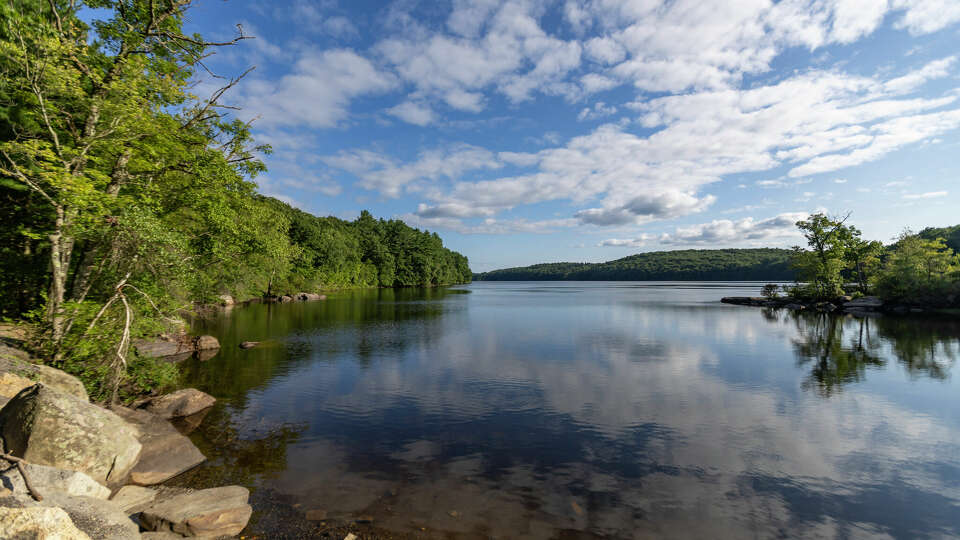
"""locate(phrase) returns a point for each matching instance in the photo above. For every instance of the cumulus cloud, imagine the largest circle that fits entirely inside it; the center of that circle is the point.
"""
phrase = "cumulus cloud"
(637, 242)
(317, 91)
(645, 208)
(747, 230)
(488, 225)
(413, 113)
(381, 173)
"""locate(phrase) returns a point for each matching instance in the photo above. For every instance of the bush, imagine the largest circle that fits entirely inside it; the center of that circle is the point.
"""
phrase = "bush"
(770, 290)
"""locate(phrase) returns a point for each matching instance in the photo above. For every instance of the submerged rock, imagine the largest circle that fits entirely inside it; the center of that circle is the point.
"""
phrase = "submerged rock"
(208, 512)
(47, 427)
(180, 403)
(166, 453)
(249, 344)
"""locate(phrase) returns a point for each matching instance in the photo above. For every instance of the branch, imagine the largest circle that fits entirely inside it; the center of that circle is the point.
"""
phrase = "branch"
(17, 173)
(23, 474)
(212, 102)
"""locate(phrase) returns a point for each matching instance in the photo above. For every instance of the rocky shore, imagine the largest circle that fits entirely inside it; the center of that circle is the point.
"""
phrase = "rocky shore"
(71, 469)
(843, 304)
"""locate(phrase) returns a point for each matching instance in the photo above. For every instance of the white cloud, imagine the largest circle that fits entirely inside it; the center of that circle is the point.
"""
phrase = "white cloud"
(934, 70)
(418, 114)
(747, 230)
(926, 16)
(637, 242)
(381, 173)
(599, 110)
(317, 92)
(928, 195)
(489, 225)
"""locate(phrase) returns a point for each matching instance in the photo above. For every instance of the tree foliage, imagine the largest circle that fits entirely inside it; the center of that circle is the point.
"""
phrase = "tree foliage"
(126, 197)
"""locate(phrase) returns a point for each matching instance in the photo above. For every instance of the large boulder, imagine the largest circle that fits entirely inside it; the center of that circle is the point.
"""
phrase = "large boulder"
(48, 479)
(226, 300)
(166, 453)
(213, 512)
(99, 519)
(17, 365)
(180, 403)
(133, 499)
(47, 427)
(38, 522)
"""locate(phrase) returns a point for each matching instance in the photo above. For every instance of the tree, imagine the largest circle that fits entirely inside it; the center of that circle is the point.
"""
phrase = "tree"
(822, 267)
(919, 269)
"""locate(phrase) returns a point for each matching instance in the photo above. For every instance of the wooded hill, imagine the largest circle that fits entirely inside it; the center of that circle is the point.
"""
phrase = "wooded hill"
(763, 264)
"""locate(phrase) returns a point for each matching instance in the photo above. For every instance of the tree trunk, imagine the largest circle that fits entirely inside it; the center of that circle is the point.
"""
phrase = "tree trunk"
(61, 247)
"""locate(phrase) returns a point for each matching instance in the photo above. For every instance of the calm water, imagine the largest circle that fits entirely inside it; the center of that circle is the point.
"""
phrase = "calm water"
(627, 410)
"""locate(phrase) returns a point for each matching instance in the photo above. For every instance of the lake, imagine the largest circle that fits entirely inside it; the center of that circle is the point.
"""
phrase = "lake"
(581, 409)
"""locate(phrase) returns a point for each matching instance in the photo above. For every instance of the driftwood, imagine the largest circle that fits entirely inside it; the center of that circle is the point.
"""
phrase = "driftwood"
(23, 474)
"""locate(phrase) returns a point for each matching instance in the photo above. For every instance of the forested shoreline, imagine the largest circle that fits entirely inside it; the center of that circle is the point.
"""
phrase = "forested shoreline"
(127, 199)
(761, 264)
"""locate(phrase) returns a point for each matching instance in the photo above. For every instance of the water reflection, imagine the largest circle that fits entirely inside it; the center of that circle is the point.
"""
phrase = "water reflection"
(552, 410)
(839, 349)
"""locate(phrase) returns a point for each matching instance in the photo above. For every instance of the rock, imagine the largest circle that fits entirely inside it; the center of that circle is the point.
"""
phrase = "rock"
(98, 518)
(11, 384)
(824, 306)
(180, 403)
(133, 499)
(350, 536)
(226, 300)
(186, 424)
(47, 479)
(47, 427)
(38, 522)
(795, 307)
(865, 303)
(166, 453)
(161, 536)
(286, 298)
(204, 343)
(164, 346)
(207, 354)
(249, 344)
(208, 512)
(309, 297)
(17, 362)
(745, 300)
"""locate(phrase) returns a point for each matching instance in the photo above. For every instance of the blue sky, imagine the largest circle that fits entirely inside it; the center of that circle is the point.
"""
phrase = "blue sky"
(586, 130)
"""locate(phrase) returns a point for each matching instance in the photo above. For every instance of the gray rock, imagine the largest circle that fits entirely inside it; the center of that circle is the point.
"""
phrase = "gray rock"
(208, 512)
(133, 499)
(161, 536)
(166, 453)
(47, 427)
(865, 303)
(18, 363)
(98, 518)
(38, 522)
(48, 479)
(180, 403)
(795, 307)
(162, 347)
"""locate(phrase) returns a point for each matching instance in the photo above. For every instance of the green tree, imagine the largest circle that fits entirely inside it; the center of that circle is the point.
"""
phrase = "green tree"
(822, 266)
(919, 270)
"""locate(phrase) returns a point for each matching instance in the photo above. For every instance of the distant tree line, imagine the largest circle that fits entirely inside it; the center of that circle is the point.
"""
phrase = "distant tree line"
(762, 264)
(126, 198)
